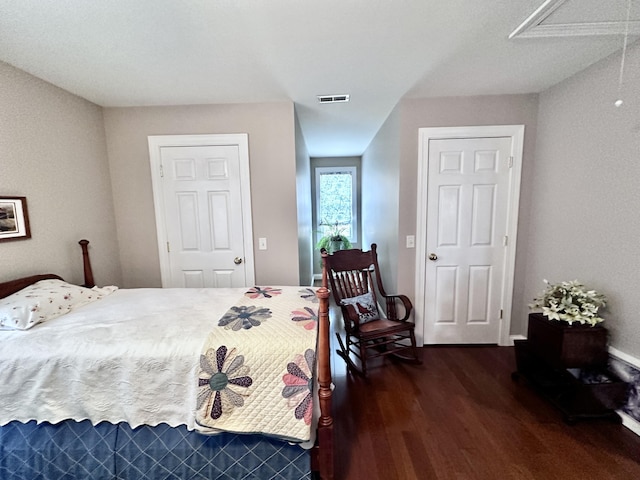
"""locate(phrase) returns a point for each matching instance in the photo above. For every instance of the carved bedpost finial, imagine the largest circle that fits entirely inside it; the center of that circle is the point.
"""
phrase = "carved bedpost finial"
(86, 262)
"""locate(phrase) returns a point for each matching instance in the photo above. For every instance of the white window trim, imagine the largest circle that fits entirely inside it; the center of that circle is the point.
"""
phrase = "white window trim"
(354, 197)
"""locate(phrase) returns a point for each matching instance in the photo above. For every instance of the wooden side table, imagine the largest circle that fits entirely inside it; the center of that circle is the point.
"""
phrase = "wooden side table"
(588, 390)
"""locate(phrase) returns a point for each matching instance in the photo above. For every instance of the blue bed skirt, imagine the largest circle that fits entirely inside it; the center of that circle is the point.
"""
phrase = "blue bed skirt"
(78, 450)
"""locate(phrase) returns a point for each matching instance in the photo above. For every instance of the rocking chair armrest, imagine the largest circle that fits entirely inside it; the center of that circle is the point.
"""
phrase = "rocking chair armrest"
(392, 301)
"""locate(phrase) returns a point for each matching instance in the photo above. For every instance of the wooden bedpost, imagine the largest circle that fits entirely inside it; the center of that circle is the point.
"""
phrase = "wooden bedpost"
(325, 423)
(86, 262)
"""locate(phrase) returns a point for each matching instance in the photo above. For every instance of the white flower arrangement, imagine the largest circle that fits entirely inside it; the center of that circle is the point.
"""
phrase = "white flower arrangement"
(570, 302)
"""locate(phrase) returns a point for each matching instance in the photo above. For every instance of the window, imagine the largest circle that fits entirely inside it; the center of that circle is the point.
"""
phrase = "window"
(336, 205)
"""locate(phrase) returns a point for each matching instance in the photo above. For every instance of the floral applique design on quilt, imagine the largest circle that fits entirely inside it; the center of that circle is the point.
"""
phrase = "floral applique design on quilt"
(244, 317)
(265, 292)
(307, 318)
(309, 294)
(298, 383)
(223, 382)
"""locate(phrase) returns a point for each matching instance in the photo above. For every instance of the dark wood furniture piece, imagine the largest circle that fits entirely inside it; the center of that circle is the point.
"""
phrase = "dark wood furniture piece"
(322, 454)
(354, 273)
(322, 458)
(13, 286)
(86, 263)
(568, 366)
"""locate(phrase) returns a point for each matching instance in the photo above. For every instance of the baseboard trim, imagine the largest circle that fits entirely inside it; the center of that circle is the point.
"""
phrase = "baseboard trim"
(627, 420)
(512, 338)
(630, 422)
(625, 357)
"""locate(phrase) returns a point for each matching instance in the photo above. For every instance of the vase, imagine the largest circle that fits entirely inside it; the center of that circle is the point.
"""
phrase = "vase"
(336, 245)
(562, 345)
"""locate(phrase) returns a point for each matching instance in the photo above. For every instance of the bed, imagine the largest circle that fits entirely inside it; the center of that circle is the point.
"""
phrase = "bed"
(164, 383)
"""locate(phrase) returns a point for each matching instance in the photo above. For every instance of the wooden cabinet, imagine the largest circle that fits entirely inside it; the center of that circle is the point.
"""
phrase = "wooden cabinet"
(567, 346)
(573, 376)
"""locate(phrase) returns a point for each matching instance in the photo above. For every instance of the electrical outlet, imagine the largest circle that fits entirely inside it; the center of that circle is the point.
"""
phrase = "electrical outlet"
(411, 241)
(262, 243)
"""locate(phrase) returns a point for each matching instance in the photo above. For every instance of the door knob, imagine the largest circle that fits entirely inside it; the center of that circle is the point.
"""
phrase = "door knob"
(237, 260)
(433, 257)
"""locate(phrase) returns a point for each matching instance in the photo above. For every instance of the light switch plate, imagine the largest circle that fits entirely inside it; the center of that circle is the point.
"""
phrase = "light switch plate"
(262, 243)
(411, 241)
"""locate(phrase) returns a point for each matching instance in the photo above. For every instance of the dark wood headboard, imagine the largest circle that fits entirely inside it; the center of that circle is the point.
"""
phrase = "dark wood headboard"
(86, 263)
(13, 286)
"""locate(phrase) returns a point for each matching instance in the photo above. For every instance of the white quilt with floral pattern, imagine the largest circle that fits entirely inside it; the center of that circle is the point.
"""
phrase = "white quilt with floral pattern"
(134, 356)
(256, 365)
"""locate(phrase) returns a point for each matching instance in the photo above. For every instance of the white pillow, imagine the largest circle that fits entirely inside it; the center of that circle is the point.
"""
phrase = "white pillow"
(364, 306)
(43, 301)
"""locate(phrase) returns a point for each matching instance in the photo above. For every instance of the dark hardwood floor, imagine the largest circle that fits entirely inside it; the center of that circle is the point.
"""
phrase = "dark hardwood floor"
(459, 415)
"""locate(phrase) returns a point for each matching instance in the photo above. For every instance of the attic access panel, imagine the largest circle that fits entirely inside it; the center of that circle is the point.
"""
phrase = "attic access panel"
(566, 18)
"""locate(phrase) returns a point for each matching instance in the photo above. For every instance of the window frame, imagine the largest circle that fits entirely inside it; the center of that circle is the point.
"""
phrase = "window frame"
(353, 171)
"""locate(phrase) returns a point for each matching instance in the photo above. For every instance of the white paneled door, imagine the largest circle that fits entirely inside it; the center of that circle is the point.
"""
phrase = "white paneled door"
(465, 261)
(202, 239)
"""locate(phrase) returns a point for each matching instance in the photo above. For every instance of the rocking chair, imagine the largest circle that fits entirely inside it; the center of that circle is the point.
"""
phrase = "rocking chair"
(369, 333)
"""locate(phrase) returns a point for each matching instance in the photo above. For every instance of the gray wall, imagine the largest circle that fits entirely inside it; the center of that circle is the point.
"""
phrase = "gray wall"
(53, 151)
(578, 208)
(391, 163)
(584, 195)
(464, 111)
(85, 172)
(303, 195)
(272, 159)
(380, 195)
(579, 197)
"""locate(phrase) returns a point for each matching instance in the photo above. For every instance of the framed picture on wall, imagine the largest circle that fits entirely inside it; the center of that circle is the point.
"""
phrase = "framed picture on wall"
(14, 219)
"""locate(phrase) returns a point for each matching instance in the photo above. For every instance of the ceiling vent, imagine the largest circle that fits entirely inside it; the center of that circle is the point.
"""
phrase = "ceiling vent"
(333, 98)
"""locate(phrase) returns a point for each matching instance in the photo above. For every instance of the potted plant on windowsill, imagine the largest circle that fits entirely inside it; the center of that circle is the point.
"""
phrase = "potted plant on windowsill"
(334, 239)
(565, 328)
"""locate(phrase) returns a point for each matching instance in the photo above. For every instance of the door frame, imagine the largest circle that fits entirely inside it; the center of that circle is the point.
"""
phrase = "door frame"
(516, 132)
(241, 140)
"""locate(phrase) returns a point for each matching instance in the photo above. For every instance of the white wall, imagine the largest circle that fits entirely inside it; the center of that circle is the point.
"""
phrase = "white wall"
(53, 151)
(585, 200)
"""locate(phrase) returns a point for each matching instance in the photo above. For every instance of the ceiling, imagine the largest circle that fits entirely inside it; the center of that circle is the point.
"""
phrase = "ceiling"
(181, 52)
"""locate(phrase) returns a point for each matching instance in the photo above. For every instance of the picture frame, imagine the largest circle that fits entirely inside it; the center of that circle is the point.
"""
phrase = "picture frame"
(14, 219)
